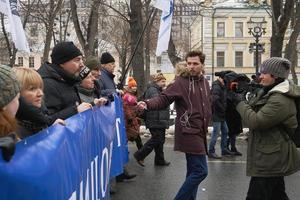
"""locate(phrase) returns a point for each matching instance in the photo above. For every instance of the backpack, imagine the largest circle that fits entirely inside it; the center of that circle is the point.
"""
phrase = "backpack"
(296, 136)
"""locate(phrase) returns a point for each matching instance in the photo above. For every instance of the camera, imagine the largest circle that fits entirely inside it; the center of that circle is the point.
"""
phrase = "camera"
(240, 83)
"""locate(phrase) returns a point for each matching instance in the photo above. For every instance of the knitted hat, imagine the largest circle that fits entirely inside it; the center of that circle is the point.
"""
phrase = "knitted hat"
(9, 86)
(157, 77)
(277, 66)
(63, 52)
(106, 58)
(131, 82)
(92, 63)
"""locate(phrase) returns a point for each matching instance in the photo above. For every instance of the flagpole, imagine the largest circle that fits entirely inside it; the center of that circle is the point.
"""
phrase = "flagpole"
(122, 78)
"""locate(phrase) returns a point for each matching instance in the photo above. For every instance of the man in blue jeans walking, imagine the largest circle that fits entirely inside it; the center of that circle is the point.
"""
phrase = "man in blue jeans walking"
(219, 104)
(190, 92)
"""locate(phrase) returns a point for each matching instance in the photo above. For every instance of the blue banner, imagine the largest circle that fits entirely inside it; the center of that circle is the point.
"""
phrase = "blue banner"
(74, 161)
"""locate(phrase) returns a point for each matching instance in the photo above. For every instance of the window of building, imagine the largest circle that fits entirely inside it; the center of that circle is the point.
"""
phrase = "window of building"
(254, 59)
(220, 59)
(31, 62)
(238, 29)
(239, 59)
(20, 61)
(220, 29)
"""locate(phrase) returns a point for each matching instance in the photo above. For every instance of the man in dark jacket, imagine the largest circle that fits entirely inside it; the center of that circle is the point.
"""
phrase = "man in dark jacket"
(106, 80)
(271, 117)
(219, 105)
(157, 121)
(60, 79)
(108, 87)
(190, 91)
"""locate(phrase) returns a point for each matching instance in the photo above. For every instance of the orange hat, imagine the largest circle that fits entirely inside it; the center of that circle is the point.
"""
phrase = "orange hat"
(131, 82)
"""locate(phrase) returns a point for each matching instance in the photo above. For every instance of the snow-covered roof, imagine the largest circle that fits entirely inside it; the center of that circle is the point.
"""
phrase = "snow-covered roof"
(232, 4)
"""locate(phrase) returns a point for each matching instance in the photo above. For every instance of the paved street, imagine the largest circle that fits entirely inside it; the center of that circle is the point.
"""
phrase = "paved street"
(226, 179)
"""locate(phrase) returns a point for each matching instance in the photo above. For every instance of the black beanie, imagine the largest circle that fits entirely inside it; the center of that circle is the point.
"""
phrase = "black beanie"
(63, 52)
(106, 58)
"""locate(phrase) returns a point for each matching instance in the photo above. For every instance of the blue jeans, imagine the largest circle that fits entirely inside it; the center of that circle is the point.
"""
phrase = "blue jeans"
(217, 127)
(196, 172)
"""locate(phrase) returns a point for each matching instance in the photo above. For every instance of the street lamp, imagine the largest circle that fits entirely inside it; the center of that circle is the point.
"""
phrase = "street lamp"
(257, 28)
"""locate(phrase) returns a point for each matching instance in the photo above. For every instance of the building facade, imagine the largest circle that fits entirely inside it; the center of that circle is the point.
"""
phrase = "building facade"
(222, 34)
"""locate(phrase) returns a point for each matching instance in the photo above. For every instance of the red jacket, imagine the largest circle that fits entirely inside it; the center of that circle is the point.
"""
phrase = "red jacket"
(193, 106)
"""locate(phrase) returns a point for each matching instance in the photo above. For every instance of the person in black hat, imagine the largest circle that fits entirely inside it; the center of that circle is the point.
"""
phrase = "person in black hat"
(106, 80)
(60, 77)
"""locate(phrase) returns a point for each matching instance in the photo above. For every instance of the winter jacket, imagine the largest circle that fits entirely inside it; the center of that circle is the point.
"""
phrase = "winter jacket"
(156, 118)
(31, 119)
(270, 116)
(107, 84)
(193, 106)
(219, 99)
(132, 121)
(60, 93)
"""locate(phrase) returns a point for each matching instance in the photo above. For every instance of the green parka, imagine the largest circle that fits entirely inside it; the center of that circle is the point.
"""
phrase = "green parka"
(269, 117)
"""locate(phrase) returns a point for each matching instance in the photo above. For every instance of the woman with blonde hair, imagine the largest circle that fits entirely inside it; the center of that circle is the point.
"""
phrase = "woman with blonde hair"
(9, 103)
(32, 115)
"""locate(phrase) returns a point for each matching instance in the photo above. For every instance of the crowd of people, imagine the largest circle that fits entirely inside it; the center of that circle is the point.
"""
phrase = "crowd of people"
(31, 101)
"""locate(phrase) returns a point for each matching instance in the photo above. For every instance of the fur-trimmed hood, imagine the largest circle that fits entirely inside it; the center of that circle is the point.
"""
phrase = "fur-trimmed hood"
(287, 88)
(182, 70)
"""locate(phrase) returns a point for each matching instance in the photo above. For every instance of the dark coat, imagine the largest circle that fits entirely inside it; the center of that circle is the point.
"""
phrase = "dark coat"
(107, 84)
(60, 93)
(219, 101)
(31, 119)
(233, 118)
(269, 117)
(156, 118)
(193, 106)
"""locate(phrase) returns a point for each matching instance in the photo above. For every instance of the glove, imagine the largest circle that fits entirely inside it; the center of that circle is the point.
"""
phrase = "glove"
(236, 98)
(7, 145)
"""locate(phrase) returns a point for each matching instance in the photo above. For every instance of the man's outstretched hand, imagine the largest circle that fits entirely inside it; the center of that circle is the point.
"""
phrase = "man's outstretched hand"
(142, 105)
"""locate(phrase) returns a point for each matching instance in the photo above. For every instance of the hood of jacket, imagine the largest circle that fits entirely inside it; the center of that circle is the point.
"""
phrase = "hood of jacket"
(184, 72)
(288, 88)
(49, 70)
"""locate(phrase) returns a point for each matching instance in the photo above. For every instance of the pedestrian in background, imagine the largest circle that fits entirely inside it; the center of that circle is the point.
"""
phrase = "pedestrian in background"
(219, 106)
(190, 92)
(9, 104)
(157, 121)
(271, 116)
(132, 120)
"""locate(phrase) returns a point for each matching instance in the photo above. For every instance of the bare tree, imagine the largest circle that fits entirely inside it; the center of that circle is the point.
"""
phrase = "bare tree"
(11, 50)
(88, 42)
(291, 52)
(281, 14)
(148, 37)
(25, 10)
(136, 28)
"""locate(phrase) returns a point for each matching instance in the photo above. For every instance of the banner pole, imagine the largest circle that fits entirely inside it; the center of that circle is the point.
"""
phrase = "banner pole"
(122, 78)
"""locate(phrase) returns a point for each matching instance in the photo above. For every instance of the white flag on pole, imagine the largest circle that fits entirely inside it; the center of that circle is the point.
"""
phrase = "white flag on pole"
(10, 8)
(167, 7)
